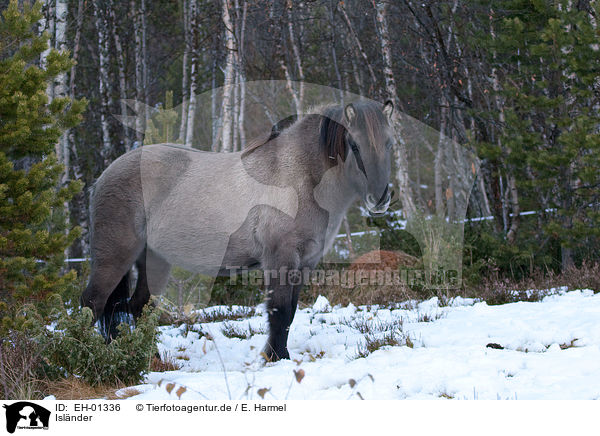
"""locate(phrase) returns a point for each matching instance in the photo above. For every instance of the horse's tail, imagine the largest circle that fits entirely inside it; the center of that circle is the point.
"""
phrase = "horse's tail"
(116, 310)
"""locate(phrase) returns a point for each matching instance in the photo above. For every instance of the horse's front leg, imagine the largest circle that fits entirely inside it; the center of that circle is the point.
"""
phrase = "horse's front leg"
(282, 289)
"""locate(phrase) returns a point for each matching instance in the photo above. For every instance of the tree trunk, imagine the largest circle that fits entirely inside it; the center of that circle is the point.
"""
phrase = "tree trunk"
(145, 79)
(140, 113)
(242, 77)
(47, 24)
(103, 80)
(78, 208)
(400, 151)
(185, 76)
(122, 78)
(566, 254)
(512, 192)
(191, 115)
(298, 59)
(76, 47)
(359, 46)
(215, 114)
(242, 114)
(336, 68)
(511, 235)
(348, 238)
(438, 161)
(357, 74)
(236, 107)
(228, 80)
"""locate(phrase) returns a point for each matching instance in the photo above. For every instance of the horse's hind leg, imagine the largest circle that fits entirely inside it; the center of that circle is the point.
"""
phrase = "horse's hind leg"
(116, 309)
(153, 275)
(108, 287)
(106, 293)
(103, 281)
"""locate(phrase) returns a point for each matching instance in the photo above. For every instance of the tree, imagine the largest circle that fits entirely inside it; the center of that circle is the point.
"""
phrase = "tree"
(550, 118)
(33, 226)
(229, 80)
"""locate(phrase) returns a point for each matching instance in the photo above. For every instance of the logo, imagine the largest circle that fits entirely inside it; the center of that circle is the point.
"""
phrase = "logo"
(26, 415)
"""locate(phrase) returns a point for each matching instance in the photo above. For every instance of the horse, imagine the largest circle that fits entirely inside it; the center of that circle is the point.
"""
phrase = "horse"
(276, 205)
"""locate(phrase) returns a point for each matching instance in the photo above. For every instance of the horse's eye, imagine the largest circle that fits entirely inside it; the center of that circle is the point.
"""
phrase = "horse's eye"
(389, 144)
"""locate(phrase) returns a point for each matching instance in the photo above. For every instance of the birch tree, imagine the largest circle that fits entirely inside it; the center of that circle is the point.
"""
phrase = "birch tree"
(191, 110)
(73, 74)
(400, 151)
(140, 112)
(185, 73)
(60, 82)
(228, 79)
(46, 24)
(512, 192)
(145, 74)
(240, 74)
(121, 72)
(299, 93)
(103, 79)
(358, 46)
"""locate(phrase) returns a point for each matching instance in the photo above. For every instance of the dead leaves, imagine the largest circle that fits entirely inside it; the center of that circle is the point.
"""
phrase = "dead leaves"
(299, 375)
(180, 391)
(170, 386)
(262, 392)
(353, 383)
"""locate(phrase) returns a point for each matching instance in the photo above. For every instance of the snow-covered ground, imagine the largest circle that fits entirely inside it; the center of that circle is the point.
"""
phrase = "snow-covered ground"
(551, 350)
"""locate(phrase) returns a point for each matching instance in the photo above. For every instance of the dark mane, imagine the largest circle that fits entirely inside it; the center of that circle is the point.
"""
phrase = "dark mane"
(333, 138)
(275, 132)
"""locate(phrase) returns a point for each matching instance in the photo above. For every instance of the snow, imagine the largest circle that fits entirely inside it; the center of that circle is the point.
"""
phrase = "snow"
(551, 350)
(321, 305)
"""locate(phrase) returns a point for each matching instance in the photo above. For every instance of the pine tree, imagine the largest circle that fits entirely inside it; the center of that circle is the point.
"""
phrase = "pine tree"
(550, 62)
(162, 124)
(33, 227)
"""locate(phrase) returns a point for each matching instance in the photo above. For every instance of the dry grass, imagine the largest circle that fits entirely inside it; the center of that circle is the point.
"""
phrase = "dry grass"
(585, 277)
(225, 314)
(19, 361)
(378, 334)
(232, 330)
(73, 388)
(361, 295)
(199, 317)
(374, 342)
(428, 317)
(379, 260)
(570, 344)
(128, 392)
(369, 326)
(373, 278)
(165, 363)
(495, 290)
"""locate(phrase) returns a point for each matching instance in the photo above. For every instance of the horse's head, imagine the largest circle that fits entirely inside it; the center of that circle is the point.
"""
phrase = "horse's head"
(369, 141)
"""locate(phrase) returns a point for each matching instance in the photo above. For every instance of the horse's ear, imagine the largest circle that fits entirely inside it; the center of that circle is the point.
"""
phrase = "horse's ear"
(350, 114)
(388, 109)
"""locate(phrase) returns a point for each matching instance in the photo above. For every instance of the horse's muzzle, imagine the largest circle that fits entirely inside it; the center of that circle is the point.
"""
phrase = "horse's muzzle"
(379, 206)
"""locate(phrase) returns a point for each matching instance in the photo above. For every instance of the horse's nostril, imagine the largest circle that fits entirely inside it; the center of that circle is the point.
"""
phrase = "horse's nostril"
(371, 199)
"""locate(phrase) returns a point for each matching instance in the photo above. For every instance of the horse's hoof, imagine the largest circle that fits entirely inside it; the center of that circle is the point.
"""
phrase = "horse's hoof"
(270, 355)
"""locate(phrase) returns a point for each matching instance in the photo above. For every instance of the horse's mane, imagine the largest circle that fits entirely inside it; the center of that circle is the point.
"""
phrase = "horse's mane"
(333, 139)
(275, 132)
